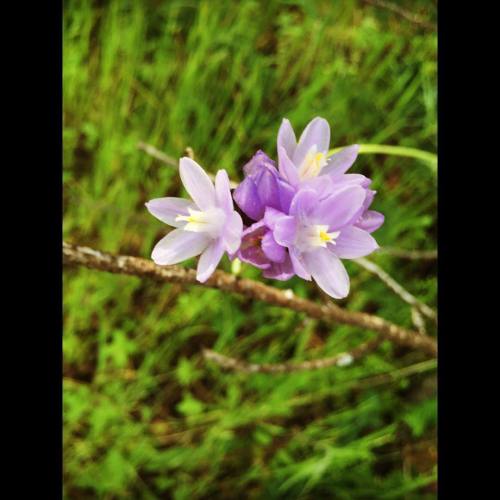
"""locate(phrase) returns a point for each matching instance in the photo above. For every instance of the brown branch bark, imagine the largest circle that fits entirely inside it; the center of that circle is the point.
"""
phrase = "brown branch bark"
(406, 14)
(341, 359)
(135, 266)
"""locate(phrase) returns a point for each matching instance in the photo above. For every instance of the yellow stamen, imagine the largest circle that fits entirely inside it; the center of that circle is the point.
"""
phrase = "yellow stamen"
(312, 164)
(324, 236)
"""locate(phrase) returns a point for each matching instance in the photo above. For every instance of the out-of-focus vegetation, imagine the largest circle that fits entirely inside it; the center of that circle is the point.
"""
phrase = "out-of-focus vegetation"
(144, 416)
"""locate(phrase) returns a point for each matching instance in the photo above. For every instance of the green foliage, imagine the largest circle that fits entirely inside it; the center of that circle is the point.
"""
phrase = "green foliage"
(144, 415)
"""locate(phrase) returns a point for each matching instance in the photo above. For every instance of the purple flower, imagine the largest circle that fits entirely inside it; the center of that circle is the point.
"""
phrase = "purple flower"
(259, 248)
(321, 228)
(299, 162)
(208, 225)
(305, 164)
(261, 189)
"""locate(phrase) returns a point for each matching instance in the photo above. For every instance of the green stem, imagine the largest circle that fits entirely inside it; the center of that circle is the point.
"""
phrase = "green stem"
(430, 159)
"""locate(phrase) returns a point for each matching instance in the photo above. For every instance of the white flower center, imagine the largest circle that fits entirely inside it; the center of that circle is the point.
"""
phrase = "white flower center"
(312, 164)
(204, 221)
(315, 236)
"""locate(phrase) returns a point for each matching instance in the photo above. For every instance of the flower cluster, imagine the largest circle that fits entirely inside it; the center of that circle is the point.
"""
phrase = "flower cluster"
(302, 217)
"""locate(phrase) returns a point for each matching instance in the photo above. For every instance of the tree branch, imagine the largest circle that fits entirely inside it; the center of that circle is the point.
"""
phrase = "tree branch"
(122, 264)
(341, 359)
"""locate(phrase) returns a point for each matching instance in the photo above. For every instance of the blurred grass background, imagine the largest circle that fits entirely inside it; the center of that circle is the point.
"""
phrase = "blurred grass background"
(144, 416)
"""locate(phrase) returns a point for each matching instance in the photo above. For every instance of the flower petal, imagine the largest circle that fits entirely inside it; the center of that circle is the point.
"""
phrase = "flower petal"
(287, 192)
(370, 221)
(299, 266)
(287, 168)
(349, 179)
(340, 209)
(258, 161)
(328, 272)
(340, 162)
(286, 138)
(280, 271)
(304, 204)
(247, 198)
(353, 243)
(271, 216)
(209, 260)
(167, 209)
(273, 251)
(268, 189)
(197, 183)
(223, 192)
(251, 250)
(179, 245)
(232, 233)
(316, 133)
(285, 230)
(323, 185)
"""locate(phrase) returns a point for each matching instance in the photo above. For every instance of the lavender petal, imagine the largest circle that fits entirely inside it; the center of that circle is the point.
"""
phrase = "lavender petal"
(272, 250)
(167, 209)
(287, 168)
(285, 230)
(280, 271)
(286, 138)
(209, 260)
(197, 183)
(370, 221)
(328, 272)
(232, 233)
(316, 133)
(179, 245)
(247, 198)
(342, 161)
(340, 209)
(223, 192)
(353, 243)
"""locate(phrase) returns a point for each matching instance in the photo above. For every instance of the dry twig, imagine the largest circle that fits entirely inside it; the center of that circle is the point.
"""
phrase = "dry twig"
(406, 14)
(156, 153)
(397, 288)
(168, 160)
(341, 359)
(122, 264)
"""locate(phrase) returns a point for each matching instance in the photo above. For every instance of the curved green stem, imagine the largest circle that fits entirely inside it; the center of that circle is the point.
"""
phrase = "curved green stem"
(430, 159)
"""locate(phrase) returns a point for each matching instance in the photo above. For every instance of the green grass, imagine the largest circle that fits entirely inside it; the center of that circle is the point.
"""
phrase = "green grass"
(144, 416)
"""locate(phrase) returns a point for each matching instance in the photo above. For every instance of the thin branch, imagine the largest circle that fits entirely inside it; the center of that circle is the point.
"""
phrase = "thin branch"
(341, 359)
(410, 254)
(168, 160)
(406, 14)
(156, 153)
(397, 288)
(122, 264)
(418, 321)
